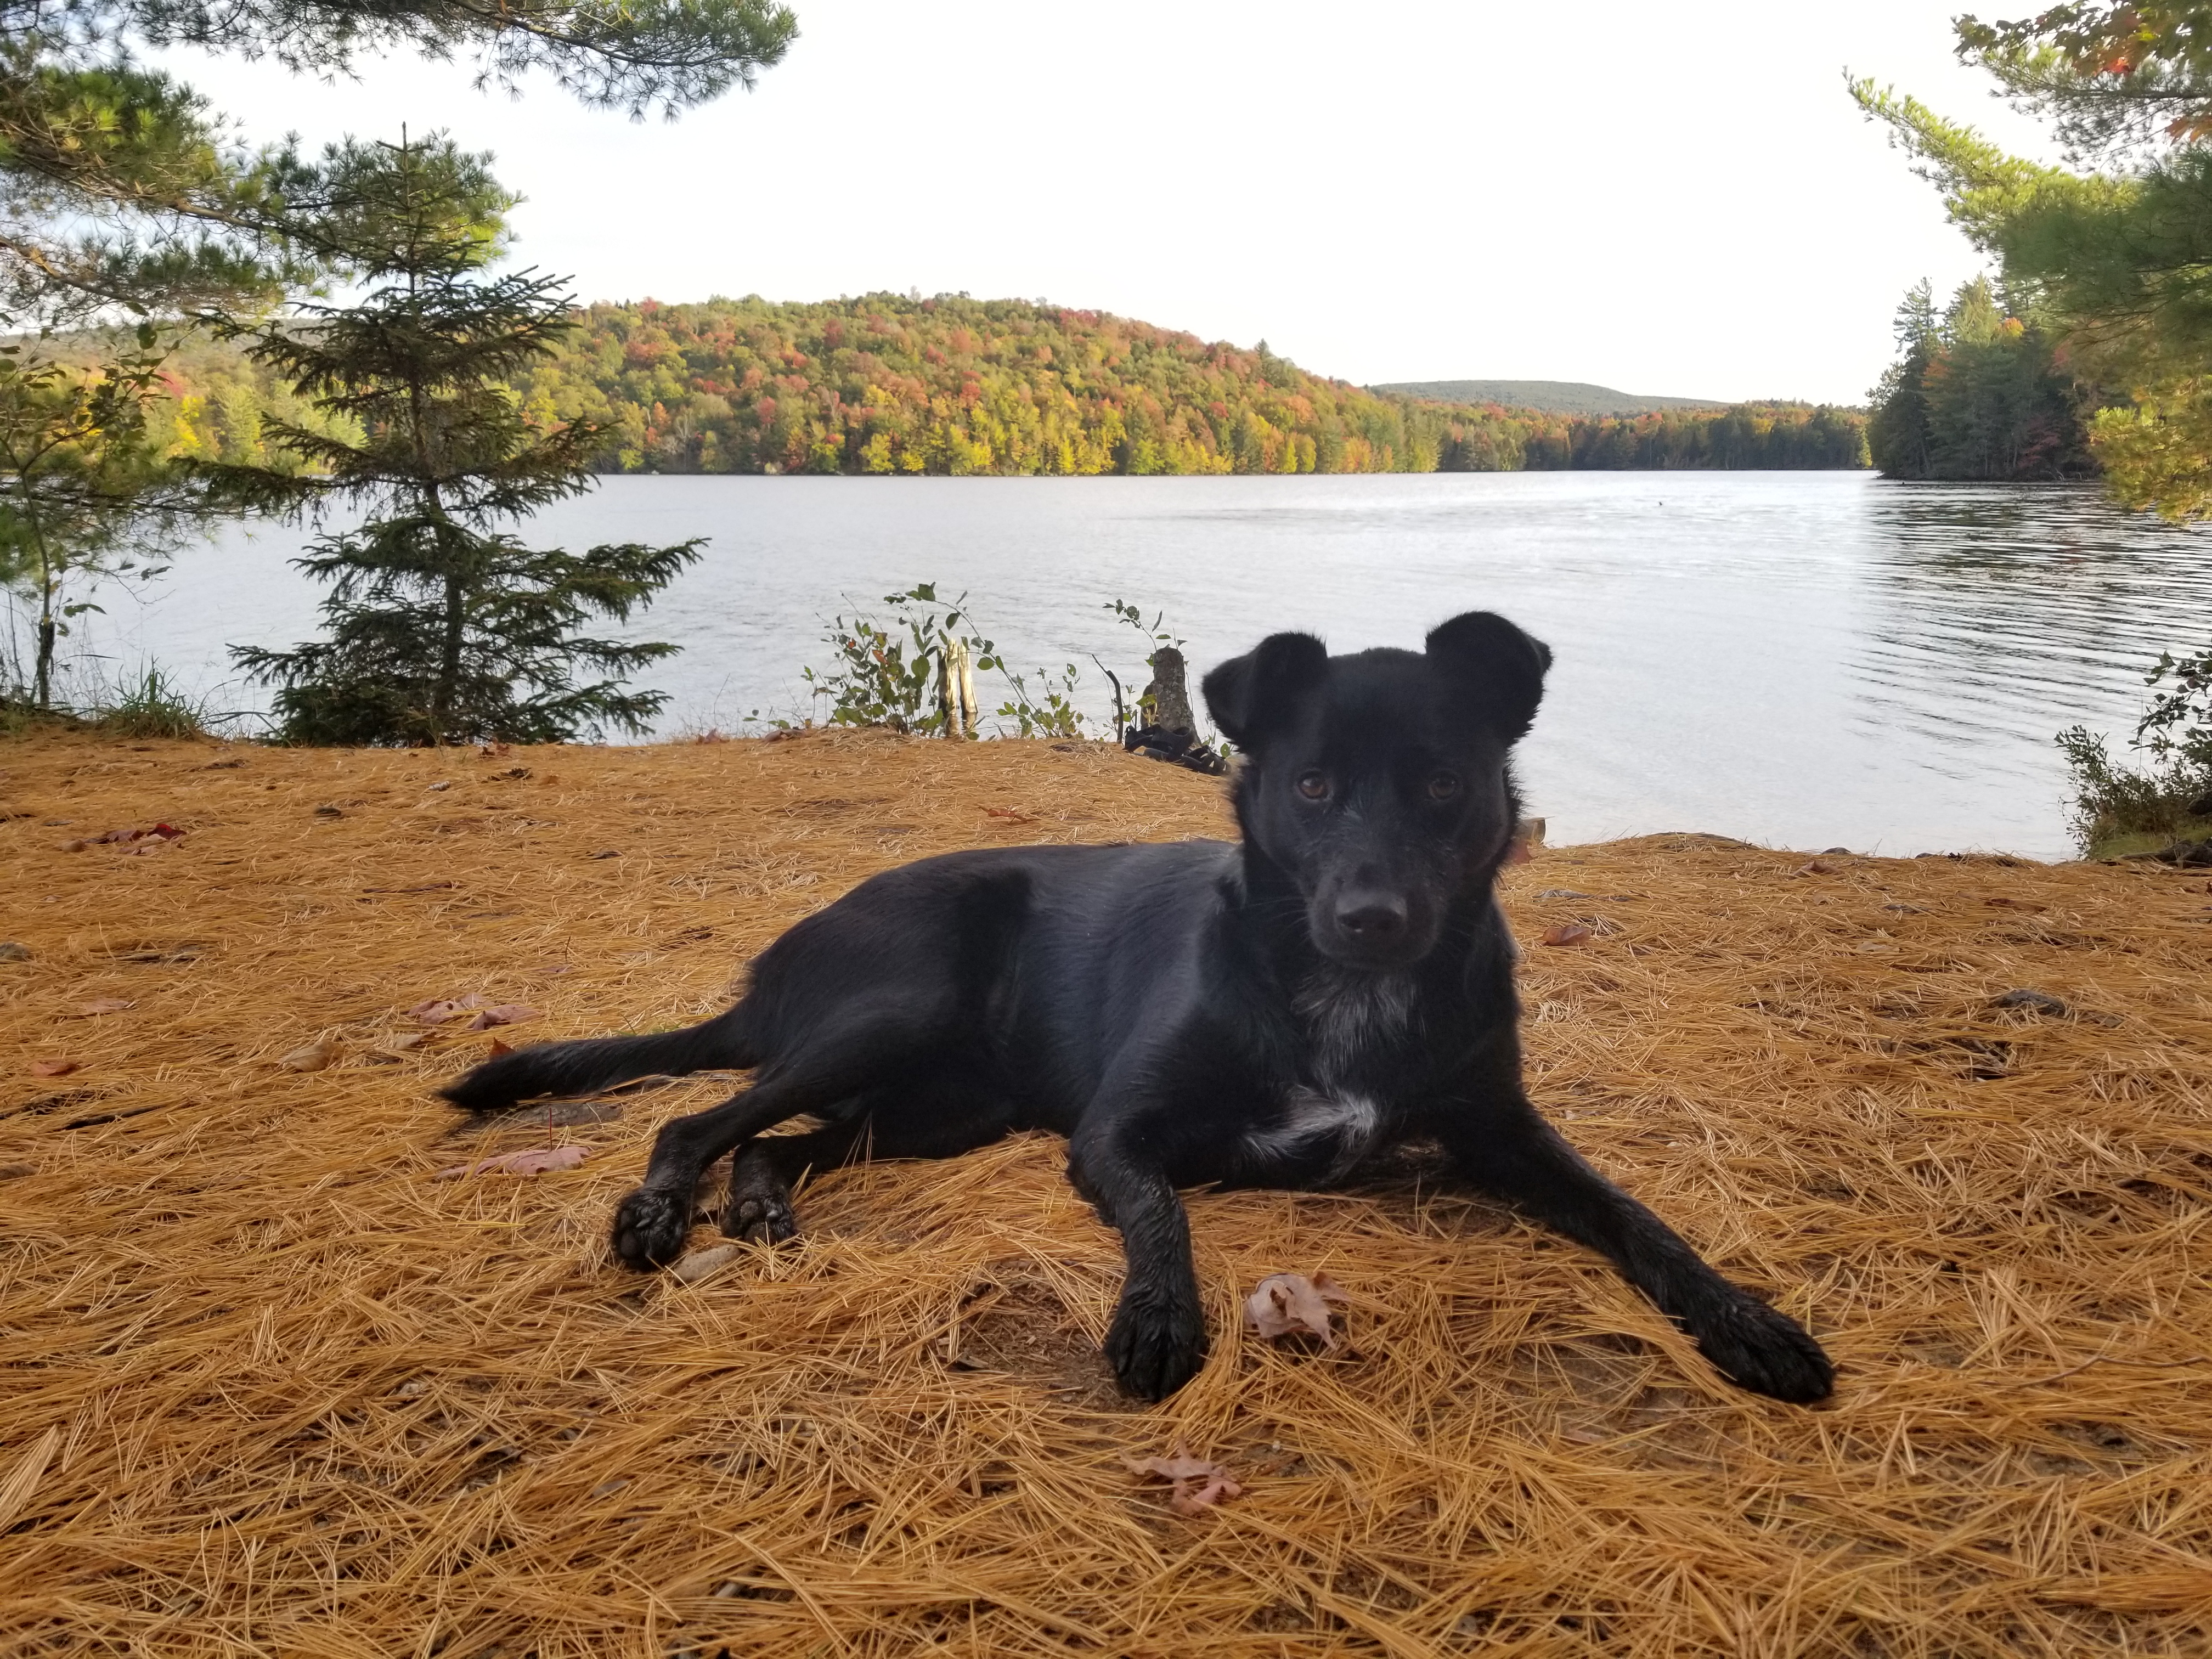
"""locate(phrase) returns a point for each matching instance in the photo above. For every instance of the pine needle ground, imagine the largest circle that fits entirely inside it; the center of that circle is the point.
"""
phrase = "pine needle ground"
(270, 1388)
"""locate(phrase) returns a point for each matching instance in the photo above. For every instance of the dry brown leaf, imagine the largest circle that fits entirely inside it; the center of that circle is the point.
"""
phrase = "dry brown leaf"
(1288, 1303)
(315, 1057)
(689, 1269)
(436, 1011)
(505, 1013)
(1197, 1485)
(498, 1048)
(1012, 814)
(2013, 904)
(1567, 933)
(52, 1068)
(1817, 867)
(537, 1160)
(158, 835)
(103, 1005)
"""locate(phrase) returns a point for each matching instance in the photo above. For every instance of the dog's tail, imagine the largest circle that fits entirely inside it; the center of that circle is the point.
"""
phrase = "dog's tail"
(596, 1063)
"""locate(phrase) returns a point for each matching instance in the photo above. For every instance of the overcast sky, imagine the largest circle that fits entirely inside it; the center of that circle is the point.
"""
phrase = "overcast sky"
(1673, 199)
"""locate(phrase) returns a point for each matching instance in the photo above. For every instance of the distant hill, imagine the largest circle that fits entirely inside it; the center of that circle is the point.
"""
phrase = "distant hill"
(1545, 397)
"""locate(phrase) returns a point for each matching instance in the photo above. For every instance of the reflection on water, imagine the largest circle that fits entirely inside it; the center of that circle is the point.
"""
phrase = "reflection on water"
(1997, 607)
(1807, 659)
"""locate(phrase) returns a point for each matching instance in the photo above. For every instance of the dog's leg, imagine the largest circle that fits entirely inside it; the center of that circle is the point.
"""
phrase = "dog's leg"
(652, 1222)
(1505, 1148)
(876, 1041)
(764, 1172)
(905, 1122)
(1158, 1340)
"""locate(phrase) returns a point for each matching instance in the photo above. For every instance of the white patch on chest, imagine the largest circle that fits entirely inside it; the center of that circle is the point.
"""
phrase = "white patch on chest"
(1346, 1012)
(1309, 1118)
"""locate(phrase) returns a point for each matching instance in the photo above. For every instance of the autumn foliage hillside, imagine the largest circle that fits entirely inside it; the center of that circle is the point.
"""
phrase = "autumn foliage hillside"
(887, 383)
(890, 383)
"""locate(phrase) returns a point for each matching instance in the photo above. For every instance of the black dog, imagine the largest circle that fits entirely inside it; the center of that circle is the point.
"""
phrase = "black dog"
(1191, 1012)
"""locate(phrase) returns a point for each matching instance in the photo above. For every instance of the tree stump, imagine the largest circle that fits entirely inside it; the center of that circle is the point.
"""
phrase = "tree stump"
(1166, 700)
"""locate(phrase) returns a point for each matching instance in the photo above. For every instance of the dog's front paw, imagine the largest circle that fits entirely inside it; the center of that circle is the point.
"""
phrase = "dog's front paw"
(760, 1218)
(1763, 1349)
(1155, 1346)
(650, 1226)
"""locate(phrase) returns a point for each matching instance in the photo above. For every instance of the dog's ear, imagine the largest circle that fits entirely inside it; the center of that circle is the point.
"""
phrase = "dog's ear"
(1246, 693)
(1501, 665)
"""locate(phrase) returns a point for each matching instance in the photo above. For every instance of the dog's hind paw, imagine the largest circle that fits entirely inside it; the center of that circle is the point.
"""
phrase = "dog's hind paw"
(1763, 1349)
(760, 1218)
(1155, 1349)
(650, 1228)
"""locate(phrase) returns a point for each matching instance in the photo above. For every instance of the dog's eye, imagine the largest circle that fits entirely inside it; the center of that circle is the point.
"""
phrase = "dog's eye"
(1443, 786)
(1314, 786)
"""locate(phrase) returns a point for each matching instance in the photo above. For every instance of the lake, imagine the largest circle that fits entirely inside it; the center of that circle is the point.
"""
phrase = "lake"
(1805, 659)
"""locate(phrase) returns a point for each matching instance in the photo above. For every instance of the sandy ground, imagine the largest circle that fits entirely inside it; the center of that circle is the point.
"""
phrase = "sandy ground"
(272, 1388)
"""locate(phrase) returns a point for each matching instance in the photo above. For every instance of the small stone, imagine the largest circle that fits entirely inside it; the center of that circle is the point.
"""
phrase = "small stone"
(12, 951)
(2033, 1002)
(328, 811)
(442, 784)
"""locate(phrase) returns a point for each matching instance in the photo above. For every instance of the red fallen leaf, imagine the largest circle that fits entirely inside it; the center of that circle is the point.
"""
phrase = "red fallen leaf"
(105, 1006)
(498, 1048)
(1198, 1485)
(539, 1160)
(1012, 814)
(1567, 933)
(1286, 1303)
(52, 1068)
(507, 1014)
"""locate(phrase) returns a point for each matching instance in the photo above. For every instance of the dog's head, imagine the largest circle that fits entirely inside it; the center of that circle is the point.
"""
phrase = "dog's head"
(1378, 782)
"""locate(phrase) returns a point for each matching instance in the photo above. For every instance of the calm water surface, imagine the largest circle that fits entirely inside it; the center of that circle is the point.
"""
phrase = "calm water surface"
(1806, 659)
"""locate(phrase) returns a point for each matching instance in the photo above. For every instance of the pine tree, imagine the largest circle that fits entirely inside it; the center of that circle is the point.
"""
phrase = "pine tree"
(443, 627)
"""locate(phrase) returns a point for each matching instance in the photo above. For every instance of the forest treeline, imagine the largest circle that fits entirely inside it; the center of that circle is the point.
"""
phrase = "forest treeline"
(1979, 392)
(891, 383)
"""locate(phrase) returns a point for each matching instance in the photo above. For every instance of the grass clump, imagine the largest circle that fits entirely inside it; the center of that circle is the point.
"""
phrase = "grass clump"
(151, 706)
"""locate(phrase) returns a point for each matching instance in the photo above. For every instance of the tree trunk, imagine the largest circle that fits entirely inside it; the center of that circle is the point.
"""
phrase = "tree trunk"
(449, 663)
(43, 682)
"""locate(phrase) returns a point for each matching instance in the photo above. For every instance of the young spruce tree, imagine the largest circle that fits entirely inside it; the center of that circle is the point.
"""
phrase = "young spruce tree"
(443, 627)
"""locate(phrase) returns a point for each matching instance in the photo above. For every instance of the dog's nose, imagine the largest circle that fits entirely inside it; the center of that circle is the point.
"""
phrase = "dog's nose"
(1371, 917)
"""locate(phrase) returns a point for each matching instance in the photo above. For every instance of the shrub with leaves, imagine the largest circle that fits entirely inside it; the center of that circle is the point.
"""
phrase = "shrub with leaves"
(2171, 796)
